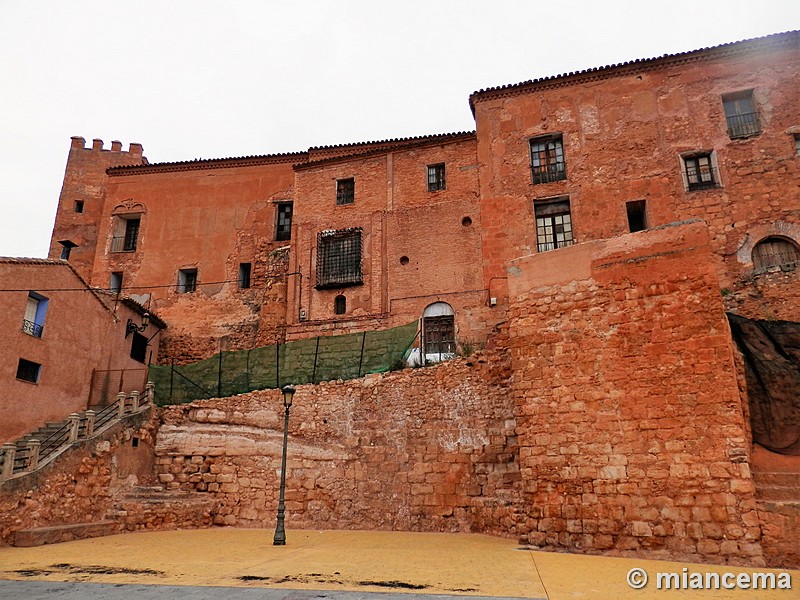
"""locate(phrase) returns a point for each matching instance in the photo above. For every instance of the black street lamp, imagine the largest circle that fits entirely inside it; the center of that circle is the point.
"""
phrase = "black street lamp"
(280, 533)
(131, 327)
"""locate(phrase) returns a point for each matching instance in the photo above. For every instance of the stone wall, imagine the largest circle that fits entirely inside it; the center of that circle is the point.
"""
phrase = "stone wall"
(81, 485)
(631, 432)
(422, 450)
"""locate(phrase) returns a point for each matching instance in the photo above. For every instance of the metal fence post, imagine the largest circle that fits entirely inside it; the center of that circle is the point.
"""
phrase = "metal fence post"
(90, 415)
(277, 365)
(314, 372)
(171, 377)
(135, 401)
(74, 423)
(120, 405)
(219, 371)
(9, 453)
(361, 358)
(33, 454)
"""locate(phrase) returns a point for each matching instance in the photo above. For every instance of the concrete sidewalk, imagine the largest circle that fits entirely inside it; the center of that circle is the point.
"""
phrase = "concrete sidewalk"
(337, 561)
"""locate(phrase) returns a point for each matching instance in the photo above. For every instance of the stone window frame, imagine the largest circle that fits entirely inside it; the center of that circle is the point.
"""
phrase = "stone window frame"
(693, 159)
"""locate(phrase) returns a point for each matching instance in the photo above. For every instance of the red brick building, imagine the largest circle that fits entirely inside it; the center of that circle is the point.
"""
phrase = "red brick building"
(240, 252)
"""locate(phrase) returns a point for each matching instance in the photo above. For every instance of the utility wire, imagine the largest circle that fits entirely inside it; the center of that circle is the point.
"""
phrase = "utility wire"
(133, 287)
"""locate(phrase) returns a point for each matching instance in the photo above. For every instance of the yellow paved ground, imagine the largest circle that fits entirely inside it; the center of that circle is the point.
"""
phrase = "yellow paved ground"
(425, 563)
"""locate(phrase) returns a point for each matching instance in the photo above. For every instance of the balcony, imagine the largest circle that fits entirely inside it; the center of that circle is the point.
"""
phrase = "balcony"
(743, 125)
(123, 243)
(32, 328)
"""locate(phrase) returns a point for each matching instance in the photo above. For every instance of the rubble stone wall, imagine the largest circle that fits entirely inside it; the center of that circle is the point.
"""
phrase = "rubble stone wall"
(631, 431)
(422, 450)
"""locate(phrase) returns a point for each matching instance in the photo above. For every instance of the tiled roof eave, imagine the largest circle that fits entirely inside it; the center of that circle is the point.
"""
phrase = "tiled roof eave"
(210, 163)
(399, 147)
(776, 41)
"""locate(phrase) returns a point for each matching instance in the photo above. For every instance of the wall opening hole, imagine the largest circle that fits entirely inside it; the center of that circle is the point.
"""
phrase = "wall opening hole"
(340, 305)
(403, 260)
(135, 442)
(466, 221)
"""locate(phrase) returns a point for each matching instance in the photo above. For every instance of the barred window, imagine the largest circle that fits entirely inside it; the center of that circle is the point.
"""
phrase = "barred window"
(339, 258)
(436, 179)
(553, 224)
(740, 114)
(345, 191)
(547, 159)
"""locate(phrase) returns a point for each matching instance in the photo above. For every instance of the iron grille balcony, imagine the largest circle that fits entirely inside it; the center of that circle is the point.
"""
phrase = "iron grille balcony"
(32, 328)
(743, 125)
(701, 178)
(339, 258)
(123, 243)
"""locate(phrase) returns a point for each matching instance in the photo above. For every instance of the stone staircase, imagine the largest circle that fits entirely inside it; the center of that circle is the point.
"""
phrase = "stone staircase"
(36, 449)
(778, 486)
(154, 507)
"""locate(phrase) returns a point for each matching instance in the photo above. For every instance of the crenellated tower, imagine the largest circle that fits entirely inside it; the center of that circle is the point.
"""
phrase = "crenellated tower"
(83, 193)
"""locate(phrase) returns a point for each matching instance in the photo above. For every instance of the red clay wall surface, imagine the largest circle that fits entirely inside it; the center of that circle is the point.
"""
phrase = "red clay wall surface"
(80, 335)
(631, 432)
(624, 132)
(421, 450)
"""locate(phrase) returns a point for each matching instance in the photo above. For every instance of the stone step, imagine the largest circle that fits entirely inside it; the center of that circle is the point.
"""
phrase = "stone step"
(39, 536)
(783, 478)
(778, 493)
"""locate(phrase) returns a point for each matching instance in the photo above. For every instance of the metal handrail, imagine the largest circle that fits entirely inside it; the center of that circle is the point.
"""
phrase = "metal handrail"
(32, 328)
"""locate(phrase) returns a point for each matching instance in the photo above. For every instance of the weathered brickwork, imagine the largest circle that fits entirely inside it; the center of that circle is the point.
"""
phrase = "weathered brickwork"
(422, 450)
(626, 133)
(619, 378)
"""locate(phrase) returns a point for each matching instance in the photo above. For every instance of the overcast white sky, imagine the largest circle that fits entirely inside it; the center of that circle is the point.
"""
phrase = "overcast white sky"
(213, 79)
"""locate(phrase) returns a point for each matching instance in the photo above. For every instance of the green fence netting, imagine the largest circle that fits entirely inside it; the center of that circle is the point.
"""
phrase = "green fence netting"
(304, 361)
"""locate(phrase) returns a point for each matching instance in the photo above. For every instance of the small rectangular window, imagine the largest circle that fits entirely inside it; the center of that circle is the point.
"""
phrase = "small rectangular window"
(553, 224)
(27, 370)
(116, 282)
(547, 159)
(66, 248)
(797, 143)
(35, 312)
(187, 281)
(345, 191)
(244, 275)
(436, 179)
(78, 206)
(139, 347)
(637, 215)
(700, 171)
(283, 222)
(740, 114)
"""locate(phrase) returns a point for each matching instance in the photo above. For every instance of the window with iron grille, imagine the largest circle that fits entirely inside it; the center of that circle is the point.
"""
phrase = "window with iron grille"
(27, 370)
(345, 191)
(547, 159)
(436, 179)
(187, 281)
(740, 114)
(553, 224)
(775, 252)
(700, 171)
(283, 222)
(339, 258)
